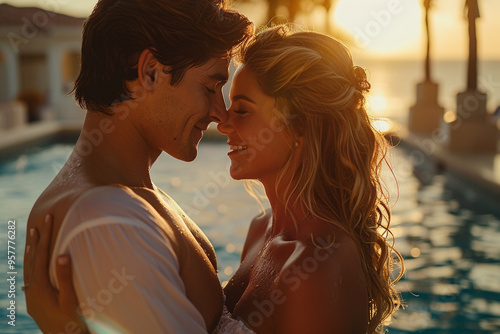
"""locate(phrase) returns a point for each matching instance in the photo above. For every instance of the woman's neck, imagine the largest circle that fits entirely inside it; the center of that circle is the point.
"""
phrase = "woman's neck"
(284, 218)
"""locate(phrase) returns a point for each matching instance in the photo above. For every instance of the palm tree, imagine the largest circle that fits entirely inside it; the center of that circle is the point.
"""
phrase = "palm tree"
(328, 4)
(427, 6)
(426, 114)
(472, 10)
(294, 7)
(272, 9)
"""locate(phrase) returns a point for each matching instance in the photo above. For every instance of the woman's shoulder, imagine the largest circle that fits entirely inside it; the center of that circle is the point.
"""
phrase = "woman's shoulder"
(260, 223)
(256, 231)
(334, 248)
(324, 271)
(327, 260)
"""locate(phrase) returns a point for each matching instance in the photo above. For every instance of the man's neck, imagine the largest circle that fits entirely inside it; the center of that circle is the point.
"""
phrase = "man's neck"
(114, 152)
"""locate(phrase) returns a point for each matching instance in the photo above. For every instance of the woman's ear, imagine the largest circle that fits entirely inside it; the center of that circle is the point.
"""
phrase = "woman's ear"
(299, 141)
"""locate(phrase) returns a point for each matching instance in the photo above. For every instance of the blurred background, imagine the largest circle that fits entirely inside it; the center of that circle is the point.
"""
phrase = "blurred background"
(445, 202)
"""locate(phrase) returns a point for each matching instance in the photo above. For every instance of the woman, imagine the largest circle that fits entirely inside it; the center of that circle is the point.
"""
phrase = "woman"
(318, 261)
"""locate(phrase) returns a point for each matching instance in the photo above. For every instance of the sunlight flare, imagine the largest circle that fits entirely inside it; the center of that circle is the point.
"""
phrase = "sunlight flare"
(381, 27)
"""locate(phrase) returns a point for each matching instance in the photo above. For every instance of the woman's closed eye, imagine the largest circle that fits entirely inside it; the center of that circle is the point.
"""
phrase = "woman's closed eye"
(240, 111)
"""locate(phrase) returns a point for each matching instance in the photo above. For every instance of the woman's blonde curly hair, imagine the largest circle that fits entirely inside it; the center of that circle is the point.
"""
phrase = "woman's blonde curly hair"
(320, 96)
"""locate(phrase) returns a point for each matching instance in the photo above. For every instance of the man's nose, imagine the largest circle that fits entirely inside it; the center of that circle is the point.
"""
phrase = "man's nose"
(225, 127)
(218, 112)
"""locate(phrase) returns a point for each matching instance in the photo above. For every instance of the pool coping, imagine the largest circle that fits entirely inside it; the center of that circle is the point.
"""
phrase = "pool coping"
(477, 173)
(22, 136)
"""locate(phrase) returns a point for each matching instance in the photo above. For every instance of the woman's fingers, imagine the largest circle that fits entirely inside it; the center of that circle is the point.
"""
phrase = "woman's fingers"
(67, 294)
(68, 300)
(42, 256)
(54, 311)
(37, 261)
(29, 256)
(38, 289)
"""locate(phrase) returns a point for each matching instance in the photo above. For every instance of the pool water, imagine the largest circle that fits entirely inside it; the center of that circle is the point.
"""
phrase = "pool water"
(452, 252)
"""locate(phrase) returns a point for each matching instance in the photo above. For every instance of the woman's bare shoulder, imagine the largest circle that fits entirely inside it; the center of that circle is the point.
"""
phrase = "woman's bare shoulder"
(256, 231)
(329, 278)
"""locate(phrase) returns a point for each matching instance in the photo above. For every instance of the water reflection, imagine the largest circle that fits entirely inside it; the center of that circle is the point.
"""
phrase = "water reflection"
(451, 250)
(452, 255)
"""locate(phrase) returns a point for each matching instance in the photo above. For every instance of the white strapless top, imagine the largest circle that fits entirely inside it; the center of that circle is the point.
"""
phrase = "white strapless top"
(228, 325)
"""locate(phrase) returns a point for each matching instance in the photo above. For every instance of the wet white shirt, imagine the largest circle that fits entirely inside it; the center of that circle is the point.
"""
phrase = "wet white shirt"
(125, 271)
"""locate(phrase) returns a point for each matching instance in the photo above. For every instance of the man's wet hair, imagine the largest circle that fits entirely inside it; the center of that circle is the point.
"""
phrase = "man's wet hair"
(180, 34)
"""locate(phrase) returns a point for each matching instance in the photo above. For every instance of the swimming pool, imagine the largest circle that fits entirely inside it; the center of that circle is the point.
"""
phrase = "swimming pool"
(452, 252)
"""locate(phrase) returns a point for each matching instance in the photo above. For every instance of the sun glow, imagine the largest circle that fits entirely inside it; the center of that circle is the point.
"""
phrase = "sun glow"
(382, 125)
(377, 103)
(382, 27)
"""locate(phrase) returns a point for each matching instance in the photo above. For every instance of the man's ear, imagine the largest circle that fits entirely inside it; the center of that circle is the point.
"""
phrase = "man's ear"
(149, 70)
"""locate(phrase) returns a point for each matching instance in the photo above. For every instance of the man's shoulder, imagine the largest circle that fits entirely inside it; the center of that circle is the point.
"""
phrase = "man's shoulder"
(112, 201)
(90, 203)
(100, 196)
(117, 210)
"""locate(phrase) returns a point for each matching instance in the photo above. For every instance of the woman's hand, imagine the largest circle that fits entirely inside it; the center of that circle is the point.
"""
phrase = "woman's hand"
(54, 311)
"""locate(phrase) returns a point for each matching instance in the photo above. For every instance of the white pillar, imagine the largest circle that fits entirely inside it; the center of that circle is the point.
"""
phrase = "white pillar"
(12, 71)
(55, 93)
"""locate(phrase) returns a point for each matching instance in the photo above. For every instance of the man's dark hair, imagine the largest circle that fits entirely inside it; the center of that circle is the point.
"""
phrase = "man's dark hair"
(180, 34)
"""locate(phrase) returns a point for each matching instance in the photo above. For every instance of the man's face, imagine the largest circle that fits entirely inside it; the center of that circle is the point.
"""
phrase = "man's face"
(176, 116)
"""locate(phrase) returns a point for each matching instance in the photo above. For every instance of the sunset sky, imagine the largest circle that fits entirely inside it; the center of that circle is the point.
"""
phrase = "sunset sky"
(378, 28)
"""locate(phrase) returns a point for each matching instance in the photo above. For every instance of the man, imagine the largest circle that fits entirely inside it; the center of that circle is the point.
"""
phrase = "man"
(151, 78)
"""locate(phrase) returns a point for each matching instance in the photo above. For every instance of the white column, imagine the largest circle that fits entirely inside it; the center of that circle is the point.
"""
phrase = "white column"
(12, 71)
(55, 88)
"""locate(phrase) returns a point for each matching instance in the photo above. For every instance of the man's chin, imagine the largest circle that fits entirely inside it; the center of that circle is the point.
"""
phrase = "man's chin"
(188, 154)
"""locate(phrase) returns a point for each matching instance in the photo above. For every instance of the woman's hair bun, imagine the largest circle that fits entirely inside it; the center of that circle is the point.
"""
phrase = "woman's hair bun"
(361, 81)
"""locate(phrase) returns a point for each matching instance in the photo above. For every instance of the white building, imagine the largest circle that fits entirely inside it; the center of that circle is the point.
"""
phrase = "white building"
(39, 61)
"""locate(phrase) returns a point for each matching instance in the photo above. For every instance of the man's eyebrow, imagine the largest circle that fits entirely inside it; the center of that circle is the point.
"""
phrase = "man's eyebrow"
(242, 97)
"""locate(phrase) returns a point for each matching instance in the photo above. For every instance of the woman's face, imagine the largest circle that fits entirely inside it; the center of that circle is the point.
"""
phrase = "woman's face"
(259, 142)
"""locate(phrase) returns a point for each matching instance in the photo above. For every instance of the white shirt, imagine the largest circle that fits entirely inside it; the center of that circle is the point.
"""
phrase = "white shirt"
(125, 271)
